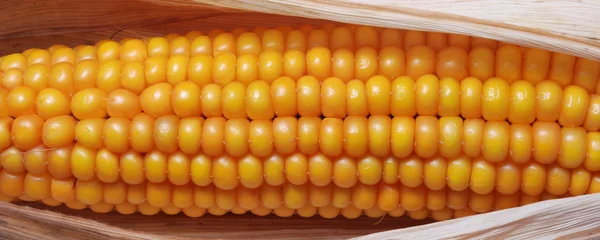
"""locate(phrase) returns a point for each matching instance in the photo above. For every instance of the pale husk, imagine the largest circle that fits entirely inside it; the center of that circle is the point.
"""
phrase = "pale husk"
(566, 26)
(568, 218)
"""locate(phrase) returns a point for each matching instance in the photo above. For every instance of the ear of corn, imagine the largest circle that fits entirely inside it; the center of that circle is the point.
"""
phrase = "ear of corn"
(330, 120)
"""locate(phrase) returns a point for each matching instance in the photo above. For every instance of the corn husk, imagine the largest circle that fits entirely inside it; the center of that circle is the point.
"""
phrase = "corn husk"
(566, 26)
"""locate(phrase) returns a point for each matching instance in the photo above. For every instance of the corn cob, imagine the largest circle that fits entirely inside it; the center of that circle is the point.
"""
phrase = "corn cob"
(336, 120)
